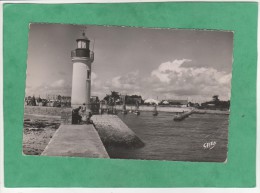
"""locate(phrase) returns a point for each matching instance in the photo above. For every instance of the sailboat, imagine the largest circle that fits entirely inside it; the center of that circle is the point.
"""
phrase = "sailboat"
(130, 111)
(137, 112)
(116, 111)
(124, 111)
(155, 112)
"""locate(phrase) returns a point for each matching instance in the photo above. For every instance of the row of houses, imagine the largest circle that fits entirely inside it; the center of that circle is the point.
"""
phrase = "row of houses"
(49, 101)
(53, 101)
(65, 101)
(214, 104)
(118, 99)
(168, 102)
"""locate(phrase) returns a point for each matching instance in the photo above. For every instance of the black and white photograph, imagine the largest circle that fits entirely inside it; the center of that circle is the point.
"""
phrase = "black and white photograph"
(120, 92)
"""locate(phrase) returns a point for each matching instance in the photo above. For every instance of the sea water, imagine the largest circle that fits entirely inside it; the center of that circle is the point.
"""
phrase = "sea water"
(200, 137)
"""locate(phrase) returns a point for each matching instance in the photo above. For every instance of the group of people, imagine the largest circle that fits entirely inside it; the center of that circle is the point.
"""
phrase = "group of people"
(80, 115)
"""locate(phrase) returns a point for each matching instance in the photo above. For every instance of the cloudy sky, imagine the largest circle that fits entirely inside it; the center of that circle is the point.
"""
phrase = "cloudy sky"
(154, 63)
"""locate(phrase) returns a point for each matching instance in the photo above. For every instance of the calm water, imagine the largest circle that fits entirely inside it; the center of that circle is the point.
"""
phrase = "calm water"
(200, 137)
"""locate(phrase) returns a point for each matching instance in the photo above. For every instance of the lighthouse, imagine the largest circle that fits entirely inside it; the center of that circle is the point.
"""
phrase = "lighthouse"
(82, 59)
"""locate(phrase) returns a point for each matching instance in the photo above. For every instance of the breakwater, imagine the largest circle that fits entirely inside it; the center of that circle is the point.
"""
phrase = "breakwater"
(182, 116)
(213, 112)
(76, 141)
(114, 132)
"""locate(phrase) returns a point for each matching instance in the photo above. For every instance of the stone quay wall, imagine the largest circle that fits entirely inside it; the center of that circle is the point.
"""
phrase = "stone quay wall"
(114, 132)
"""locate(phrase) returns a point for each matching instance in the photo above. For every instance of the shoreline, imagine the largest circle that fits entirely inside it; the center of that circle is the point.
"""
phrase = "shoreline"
(174, 110)
(56, 111)
(40, 124)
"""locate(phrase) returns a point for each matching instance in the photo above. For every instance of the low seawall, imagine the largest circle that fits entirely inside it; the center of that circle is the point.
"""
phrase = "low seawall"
(38, 110)
(114, 132)
(206, 111)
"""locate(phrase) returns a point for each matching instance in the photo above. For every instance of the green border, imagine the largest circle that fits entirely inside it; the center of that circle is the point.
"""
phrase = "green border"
(36, 171)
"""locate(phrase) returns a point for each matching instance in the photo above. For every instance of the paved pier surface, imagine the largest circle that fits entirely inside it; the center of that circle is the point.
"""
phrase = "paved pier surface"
(76, 141)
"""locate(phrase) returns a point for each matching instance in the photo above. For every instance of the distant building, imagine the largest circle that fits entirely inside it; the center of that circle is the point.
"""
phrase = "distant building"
(53, 97)
(151, 101)
(174, 102)
(216, 105)
(134, 99)
(65, 98)
(122, 98)
(131, 99)
(196, 105)
(50, 100)
(94, 99)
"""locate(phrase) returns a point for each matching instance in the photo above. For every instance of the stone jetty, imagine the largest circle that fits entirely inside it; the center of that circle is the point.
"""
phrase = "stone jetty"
(182, 116)
(114, 132)
(76, 141)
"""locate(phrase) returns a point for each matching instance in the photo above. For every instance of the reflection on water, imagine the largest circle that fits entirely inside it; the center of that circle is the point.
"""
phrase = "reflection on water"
(201, 137)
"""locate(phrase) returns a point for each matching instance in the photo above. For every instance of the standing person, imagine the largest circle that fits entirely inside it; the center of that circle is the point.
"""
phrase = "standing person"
(84, 108)
(83, 112)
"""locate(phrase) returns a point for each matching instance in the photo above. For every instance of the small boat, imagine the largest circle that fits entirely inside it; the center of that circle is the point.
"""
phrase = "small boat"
(115, 111)
(136, 111)
(131, 111)
(178, 118)
(101, 110)
(155, 112)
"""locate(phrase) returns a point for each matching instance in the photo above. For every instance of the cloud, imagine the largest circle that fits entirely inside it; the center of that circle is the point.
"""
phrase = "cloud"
(173, 79)
(164, 70)
(98, 87)
(127, 83)
(58, 83)
(58, 87)
(170, 80)
(62, 73)
(93, 76)
(96, 84)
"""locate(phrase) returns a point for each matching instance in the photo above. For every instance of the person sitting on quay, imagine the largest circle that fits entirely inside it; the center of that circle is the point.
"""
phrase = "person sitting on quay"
(89, 121)
(76, 117)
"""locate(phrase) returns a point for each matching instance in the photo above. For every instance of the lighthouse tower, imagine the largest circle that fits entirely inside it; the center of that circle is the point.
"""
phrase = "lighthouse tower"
(82, 59)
